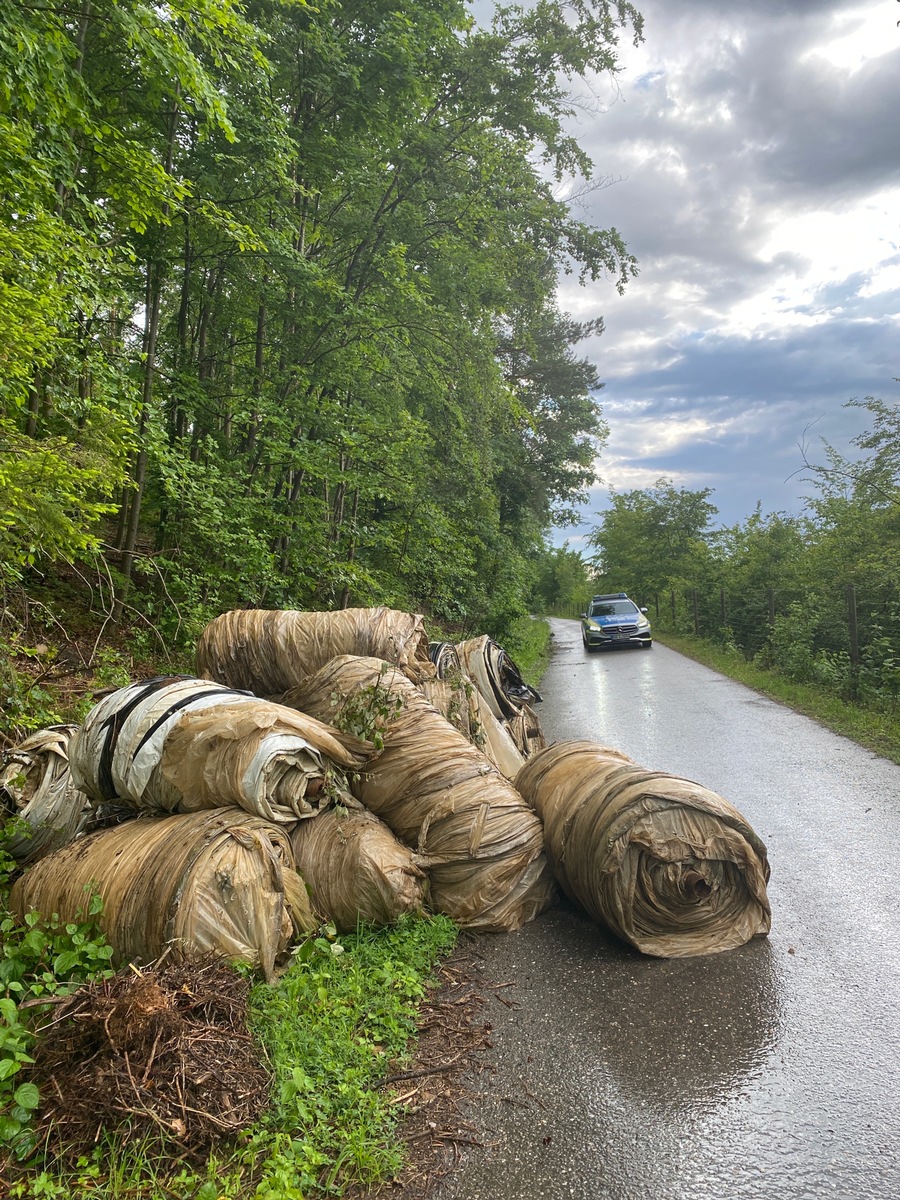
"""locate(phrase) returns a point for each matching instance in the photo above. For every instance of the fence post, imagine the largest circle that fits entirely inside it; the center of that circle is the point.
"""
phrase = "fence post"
(771, 595)
(853, 630)
(722, 607)
(674, 621)
(696, 613)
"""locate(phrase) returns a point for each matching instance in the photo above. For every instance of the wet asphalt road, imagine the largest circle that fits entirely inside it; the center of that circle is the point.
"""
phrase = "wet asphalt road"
(772, 1071)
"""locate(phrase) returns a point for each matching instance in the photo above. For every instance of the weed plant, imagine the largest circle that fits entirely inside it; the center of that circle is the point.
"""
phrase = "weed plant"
(39, 960)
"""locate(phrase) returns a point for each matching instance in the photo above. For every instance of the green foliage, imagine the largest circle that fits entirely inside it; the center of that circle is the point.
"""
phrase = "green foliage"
(39, 959)
(528, 645)
(332, 1025)
(650, 538)
(564, 582)
(775, 587)
(369, 711)
(25, 705)
(278, 290)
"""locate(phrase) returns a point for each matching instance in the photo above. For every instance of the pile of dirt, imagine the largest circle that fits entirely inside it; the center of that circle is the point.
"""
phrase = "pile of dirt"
(166, 1050)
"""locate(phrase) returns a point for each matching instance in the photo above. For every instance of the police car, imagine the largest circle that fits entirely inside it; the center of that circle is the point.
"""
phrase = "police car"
(615, 620)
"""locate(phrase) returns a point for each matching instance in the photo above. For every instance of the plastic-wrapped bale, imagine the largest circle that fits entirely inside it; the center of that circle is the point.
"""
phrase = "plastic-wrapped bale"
(193, 883)
(270, 651)
(355, 868)
(37, 786)
(178, 744)
(481, 844)
(507, 695)
(665, 863)
(460, 701)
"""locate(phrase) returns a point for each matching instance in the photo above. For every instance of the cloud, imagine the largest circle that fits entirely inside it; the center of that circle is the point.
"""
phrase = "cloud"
(752, 155)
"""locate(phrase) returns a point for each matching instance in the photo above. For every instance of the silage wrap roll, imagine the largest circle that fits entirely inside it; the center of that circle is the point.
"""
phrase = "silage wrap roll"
(503, 689)
(215, 881)
(36, 785)
(270, 651)
(355, 868)
(459, 700)
(665, 863)
(481, 843)
(167, 745)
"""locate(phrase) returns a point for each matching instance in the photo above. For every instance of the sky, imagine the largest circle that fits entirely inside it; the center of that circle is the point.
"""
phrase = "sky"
(749, 154)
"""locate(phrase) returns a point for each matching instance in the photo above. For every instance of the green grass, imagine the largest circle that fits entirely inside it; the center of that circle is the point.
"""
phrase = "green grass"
(870, 726)
(528, 645)
(331, 1026)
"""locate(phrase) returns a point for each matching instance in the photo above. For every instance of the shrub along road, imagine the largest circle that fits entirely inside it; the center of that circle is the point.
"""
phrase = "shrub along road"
(773, 1070)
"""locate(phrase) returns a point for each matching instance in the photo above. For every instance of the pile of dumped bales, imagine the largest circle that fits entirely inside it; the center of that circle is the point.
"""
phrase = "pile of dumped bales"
(301, 777)
(332, 767)
(336, 767)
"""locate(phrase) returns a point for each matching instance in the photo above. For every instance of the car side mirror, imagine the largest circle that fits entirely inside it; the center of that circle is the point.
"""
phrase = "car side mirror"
(583, 616)
(644, 611)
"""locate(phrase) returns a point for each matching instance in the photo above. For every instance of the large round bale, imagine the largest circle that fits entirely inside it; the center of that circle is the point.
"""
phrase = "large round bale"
(270, 651)
(192, 883)
(355, 869)
(36, 785)
(180, 744)
(663, 862)
(481, 844)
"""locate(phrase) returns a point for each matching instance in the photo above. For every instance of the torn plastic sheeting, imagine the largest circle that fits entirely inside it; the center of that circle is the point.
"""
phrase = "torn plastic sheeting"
(445, 658)
(270, 651)
(504, 691)
(355, 868)
(181, 744)
(497, 676)
(525, 731)
(197, 882)
(36, 785)
(460, 701)
(482, 846)
(665, 863)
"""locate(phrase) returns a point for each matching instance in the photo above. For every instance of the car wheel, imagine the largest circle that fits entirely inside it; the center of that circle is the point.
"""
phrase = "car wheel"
(647, 645)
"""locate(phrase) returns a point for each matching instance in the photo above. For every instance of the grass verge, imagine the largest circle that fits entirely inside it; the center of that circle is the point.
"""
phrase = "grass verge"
(528, 645)
(332, 1026)
(874, 728)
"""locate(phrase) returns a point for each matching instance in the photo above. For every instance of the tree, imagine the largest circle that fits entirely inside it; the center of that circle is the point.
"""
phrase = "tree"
(653, 539)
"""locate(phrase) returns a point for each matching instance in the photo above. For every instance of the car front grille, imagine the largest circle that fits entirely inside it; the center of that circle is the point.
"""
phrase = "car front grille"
(622, 631)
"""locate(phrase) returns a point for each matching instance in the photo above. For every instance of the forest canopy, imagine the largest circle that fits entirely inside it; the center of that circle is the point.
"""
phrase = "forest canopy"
(278, 317)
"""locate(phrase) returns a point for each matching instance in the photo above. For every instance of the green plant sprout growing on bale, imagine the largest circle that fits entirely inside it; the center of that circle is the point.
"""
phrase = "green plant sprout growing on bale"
(369, 711)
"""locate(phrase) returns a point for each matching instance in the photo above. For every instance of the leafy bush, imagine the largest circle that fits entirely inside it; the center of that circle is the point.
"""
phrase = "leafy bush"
(24, 703)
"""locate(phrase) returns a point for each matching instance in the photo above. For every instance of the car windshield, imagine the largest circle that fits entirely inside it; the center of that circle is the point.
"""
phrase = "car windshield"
(613, 608)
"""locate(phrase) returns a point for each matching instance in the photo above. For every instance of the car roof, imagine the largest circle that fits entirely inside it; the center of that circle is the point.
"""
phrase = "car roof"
(611, 596)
